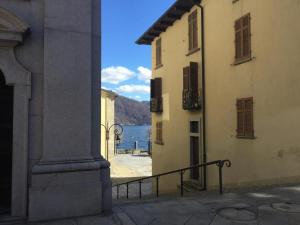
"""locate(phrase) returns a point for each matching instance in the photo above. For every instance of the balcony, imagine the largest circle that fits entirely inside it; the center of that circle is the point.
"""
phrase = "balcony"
(156, 105)
(191, 100)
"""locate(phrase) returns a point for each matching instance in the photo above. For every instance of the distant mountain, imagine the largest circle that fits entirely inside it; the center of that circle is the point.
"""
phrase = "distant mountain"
(132, 112)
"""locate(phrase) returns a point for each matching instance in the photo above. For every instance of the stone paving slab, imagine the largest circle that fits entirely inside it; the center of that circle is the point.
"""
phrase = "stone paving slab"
(267, 206)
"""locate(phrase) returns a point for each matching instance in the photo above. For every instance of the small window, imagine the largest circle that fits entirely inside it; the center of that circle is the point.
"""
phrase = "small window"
(245, 127)
(156, 102)
(194, 127)
(242, 39)
(159, 133)
(158, 53)
(193, 31)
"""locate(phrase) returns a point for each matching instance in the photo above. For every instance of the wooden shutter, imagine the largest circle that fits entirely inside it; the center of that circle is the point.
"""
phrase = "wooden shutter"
(245, 117)
(152, 85)
(195, 30)
(194, 76)
(157, 132)
(243, 38)
(186, 78)
(248, 126)
(238, 39)
(158, 87)
(246, 35)
(240, 117)
(190, 32)
(158, 52)
(159, 139)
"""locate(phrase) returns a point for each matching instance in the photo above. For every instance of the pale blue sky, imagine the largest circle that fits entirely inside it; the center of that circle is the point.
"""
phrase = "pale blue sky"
(126, 66)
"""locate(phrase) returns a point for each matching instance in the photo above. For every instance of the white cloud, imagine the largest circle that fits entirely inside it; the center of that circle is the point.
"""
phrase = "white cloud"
(116, 75)
(144, 74)
(138, 97)
(131, 88)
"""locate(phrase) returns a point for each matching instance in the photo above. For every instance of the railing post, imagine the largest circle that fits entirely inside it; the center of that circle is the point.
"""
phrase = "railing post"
(127, 194)
(181, 183)
(117, 191)
(140, 191)
(220, 164)
(157, 186)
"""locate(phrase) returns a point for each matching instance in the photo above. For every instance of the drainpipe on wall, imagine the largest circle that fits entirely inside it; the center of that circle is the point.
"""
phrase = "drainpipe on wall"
(203, 94)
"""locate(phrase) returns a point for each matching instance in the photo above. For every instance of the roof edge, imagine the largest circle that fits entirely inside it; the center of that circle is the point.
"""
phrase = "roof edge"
(173, 13)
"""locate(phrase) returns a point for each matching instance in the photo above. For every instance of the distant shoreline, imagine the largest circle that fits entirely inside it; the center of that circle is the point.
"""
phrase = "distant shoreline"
(135, 124)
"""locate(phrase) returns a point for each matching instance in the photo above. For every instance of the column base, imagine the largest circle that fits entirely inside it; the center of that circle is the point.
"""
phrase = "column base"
(69, 189)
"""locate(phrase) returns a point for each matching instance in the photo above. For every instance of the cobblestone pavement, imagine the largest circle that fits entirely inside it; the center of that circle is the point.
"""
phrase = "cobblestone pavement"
(267, 206)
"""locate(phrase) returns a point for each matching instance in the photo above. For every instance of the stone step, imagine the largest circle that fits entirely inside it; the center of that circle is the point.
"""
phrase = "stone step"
(193, 184)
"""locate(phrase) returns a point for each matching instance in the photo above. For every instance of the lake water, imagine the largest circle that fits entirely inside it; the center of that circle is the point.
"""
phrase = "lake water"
(131, 134)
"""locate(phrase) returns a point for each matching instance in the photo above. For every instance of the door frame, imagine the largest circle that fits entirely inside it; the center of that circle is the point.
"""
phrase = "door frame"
(18, 77)
(199, 136)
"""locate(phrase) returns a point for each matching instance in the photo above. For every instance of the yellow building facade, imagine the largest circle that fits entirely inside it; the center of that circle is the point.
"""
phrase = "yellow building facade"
(107, 110)
(249, 70)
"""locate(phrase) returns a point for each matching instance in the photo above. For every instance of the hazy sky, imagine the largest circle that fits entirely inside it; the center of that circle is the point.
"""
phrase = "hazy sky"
(126, 66)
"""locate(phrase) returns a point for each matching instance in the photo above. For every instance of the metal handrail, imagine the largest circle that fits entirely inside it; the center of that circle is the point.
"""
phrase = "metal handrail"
(219, 163)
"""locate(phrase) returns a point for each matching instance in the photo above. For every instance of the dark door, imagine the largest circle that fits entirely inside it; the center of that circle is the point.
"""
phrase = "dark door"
(194, 157)
(6, 134)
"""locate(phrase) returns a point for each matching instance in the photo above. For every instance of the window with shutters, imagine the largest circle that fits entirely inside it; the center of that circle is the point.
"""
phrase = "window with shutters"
(242, 39)
(158, 53)
(156, 102)
(191, 96)
(193, 31)
(159, 133)
(245, 127)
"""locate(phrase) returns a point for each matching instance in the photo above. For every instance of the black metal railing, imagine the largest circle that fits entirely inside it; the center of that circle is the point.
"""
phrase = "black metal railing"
(219, 163)
(191, 100)
(156, 105)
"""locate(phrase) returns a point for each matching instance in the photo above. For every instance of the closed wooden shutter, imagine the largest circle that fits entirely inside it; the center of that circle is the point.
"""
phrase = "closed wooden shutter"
(248, 126)
(195, 30)
(152, 86)
(190, 32)
(194, 76)
(158, 87)
(246, 35)
(158, 52)
(159, 134)
(242, 38)
(238, 39)
(245, 126)
(240, 117)
(186, 78)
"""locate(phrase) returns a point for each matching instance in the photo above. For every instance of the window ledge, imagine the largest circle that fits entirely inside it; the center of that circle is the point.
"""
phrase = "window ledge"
(159, 66)
(159, 143)
(241, 61)
(192, 51)
(246, 137)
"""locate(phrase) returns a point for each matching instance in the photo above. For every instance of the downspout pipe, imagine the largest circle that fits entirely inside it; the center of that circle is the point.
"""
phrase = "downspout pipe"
(203, 92)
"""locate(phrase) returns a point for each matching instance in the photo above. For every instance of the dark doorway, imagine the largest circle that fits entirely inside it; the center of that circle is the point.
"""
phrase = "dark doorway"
(6, 140)
(194, 157)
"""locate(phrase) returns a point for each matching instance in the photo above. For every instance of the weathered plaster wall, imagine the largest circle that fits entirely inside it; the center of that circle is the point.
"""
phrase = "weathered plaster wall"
(272, 78)
(175, 153)
(107, 118)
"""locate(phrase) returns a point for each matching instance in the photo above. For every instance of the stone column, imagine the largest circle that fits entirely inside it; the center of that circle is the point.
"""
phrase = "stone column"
(71, 179)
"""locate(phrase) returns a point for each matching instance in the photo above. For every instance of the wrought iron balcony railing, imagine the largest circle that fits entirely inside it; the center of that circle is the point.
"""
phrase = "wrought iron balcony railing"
(191, 100)
(156, 105)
